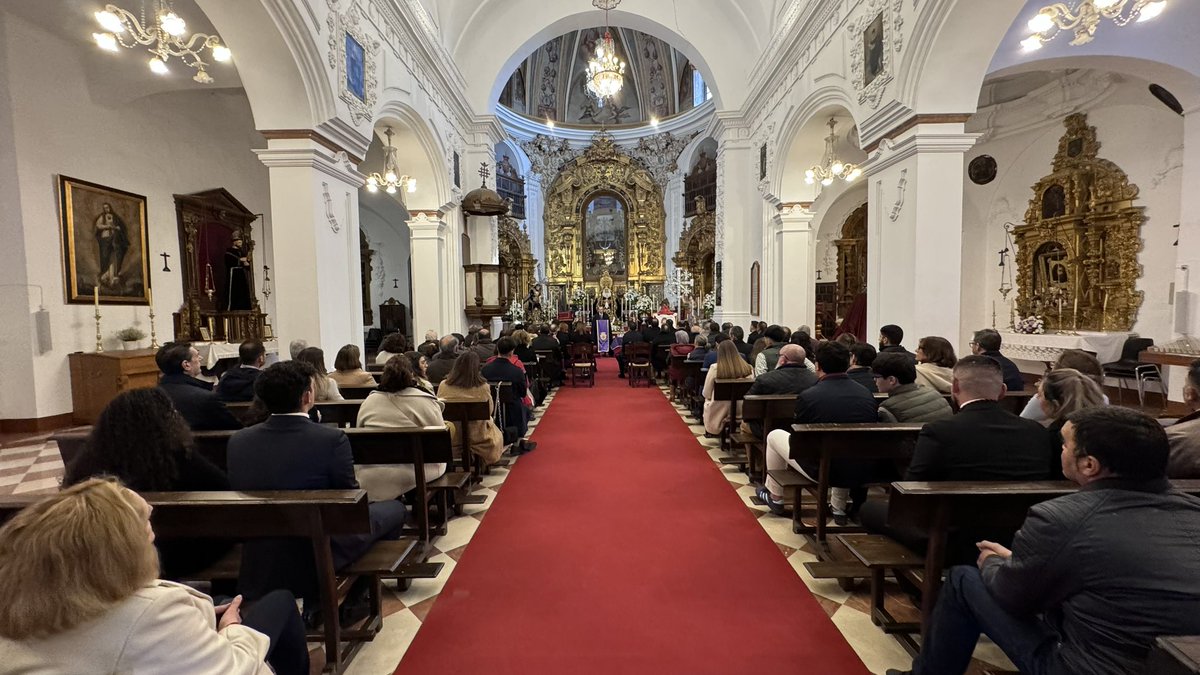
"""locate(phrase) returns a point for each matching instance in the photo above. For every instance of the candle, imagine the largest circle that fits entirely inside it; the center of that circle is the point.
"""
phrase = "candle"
(150, 296)
(96, 297)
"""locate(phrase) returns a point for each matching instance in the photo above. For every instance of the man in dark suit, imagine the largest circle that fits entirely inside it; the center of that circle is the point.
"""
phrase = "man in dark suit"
(835, 398)
(484, 346)
(443, 360)
(193, 398)
(650, 330)
(791, 376)
(290, 452)
(665, 338)
(987, 343)
(544, 342)
(983, 442)
(862, 355)
(743, 347)
(632, 336)
(237, 384)
(501, 369)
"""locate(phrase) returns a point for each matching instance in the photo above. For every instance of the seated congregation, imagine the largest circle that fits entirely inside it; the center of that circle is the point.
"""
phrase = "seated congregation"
(286, 521)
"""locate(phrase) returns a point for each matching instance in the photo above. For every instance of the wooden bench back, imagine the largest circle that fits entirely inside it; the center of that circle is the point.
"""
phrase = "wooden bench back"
(854, 441)
(359, 393)
(342, 413)
(370, 446)
(732, 390)
(465, 411)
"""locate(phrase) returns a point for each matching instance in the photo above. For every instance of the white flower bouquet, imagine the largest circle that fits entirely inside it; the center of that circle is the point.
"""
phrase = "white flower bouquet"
(1031, 325)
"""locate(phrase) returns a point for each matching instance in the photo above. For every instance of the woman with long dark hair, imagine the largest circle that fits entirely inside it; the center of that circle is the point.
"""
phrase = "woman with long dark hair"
(466, 383)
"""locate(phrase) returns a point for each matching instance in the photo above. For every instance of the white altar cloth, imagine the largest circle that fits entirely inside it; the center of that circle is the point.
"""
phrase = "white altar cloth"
(211, 352)
(1048, 346)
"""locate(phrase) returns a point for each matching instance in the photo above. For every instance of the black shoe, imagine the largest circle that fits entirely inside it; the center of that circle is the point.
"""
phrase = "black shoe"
(528, 446)
(311, 616)
(839, 519)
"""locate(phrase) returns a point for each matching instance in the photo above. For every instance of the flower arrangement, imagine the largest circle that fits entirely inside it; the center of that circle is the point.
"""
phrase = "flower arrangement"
(579, 296)
(130, 334)
(631, 298)
(516, 311)
(1031, 325)
(644, 304)
(709, 303)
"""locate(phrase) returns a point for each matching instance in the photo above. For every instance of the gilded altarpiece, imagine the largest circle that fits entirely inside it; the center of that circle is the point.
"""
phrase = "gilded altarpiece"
(516, 257)
(697, 250)
(632, 201)
(852, 261)
(1077, 251)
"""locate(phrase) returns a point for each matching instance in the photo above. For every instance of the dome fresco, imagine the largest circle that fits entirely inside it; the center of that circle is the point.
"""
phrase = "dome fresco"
(551, 82)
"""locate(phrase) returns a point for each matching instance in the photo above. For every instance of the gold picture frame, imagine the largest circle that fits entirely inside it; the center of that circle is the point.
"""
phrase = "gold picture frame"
(105, 244)
(205, 334)
(268, 332)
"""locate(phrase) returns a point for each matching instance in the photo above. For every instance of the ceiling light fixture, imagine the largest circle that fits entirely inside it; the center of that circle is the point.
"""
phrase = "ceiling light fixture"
(1085, 18)
(164, 37)
(605, 72)
(391, 178)
(831, 168)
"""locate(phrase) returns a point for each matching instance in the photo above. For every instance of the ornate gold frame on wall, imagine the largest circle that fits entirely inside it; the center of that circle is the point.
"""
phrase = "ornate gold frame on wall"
(852, 260)
(516, 257)
(697, 249)
(1077, 251)
(604, 169)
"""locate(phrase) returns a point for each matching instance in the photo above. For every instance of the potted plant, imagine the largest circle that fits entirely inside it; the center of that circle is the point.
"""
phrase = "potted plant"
(131, 337)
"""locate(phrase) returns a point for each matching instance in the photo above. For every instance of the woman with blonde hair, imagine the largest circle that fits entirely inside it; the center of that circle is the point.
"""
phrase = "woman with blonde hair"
(466, 383)
(78, 574)
(730, 366)
(1062, 392)
(935, 363)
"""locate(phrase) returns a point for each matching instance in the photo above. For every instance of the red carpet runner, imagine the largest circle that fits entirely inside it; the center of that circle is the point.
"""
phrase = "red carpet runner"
(618, 547)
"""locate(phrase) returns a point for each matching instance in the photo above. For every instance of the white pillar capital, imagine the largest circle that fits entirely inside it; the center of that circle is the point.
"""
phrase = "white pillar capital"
(795, 217)
(426, 225)
(922, 139)
(306, 153)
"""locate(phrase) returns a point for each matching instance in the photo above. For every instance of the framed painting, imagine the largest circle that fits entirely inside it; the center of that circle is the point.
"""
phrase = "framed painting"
(873, 50)
(355, 68)
(105, 248)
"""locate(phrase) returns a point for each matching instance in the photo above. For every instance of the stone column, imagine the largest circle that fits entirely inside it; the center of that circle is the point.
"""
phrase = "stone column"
(314, 211)
(1187, 309)
(673, 207)
(914, 233)
(427, 234)
(738, 207)
(795, 289)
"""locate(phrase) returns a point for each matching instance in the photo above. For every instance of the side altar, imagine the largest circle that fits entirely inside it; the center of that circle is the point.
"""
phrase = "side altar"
(1047, 347)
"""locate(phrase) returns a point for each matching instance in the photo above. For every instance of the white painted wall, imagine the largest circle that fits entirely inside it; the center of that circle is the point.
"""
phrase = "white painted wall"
(1139, 134)
(172, 143)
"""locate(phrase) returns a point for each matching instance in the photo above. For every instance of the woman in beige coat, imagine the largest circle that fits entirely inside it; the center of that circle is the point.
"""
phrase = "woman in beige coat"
(348, 369)
(465, 383)
(91, 602)
(729, 366)
(397, 403)
(935, 363)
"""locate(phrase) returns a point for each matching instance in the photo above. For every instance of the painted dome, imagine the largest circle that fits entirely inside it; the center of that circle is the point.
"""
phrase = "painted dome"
(551, 82)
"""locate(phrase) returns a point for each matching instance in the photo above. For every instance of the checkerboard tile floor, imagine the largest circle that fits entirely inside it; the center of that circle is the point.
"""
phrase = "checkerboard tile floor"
(849, 610)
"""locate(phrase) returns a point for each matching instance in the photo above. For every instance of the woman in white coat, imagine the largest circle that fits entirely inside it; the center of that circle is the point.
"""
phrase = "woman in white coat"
(78, 574)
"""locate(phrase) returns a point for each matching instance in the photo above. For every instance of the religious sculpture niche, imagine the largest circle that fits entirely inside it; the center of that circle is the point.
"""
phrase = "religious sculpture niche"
(218, 269)
(604, 212)
(516, 259)
(697, 251)
(851, 260)
(1077, 250)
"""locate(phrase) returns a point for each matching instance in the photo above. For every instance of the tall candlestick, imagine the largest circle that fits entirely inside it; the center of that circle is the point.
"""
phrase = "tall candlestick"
(96, 300)
(1075, 314)
(153, 336)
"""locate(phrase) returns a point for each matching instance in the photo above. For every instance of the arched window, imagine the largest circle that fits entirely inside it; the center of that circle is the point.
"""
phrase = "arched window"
(700, 91)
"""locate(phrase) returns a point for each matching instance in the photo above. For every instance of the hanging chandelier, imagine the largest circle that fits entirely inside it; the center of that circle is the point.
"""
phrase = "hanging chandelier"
(391, 178)
(605, 71)
(1085, 18)
(164, 38)
(831, 168)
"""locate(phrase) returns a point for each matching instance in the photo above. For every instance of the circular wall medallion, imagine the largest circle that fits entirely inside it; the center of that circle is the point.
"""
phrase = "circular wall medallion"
(982, 170)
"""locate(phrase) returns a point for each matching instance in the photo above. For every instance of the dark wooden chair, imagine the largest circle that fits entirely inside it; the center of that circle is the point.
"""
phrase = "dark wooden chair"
(637, 364)
(583, 363)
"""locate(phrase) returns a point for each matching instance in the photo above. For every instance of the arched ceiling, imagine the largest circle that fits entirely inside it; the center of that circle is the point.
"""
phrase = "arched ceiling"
(551, 82)
(488, 39)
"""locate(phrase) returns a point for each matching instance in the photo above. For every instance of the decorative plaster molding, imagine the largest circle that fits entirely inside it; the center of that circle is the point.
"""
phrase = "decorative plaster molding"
(892, 41)
(719, 229)
(522, 128)
(547, 155)
(889, 153)
(901, 186)
(764, 135)
(659, 154)
(340, 25)
(336, 165)
(329, 215)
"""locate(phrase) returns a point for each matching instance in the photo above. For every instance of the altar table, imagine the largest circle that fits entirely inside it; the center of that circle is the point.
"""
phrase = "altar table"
(211, 352)
(1049, 346)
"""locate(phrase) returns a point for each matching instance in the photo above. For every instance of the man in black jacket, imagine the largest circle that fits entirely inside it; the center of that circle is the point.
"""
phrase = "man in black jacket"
(862, 356)
(743, 347)
(290, 452)
(791, 376)
(193, 398)
(237, 384)
(632, 336)
(1093, 577)
(983, 442)
(500, 369)
(835, 398)
(545, 343)
(890, 337)
(443, 360)
(987, 343)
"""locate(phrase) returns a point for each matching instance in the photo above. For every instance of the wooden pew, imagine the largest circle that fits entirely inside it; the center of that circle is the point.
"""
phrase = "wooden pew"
(773, 411)
(370, 446)
(823, 443)
(315, 515)
(464, 412)
(350, 393)
(1013, 401)
(732, 391)
(938, 507)
(342, 413)
(691, 370)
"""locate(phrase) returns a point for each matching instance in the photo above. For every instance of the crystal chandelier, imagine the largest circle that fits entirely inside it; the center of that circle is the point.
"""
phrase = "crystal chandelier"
(605, 72)
(831, 168)
(1084, 19)
(164, 38)
(391, 178)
